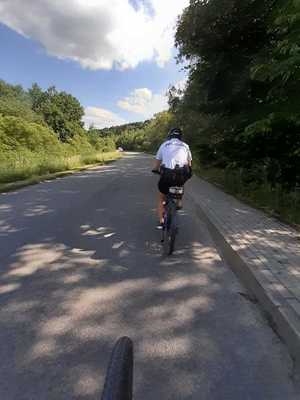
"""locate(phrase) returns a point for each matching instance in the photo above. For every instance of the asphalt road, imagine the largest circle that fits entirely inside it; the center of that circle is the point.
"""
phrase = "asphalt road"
(81, 265)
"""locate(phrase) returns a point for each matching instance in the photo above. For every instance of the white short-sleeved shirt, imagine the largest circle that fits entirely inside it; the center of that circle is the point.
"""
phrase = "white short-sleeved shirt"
(173, 152)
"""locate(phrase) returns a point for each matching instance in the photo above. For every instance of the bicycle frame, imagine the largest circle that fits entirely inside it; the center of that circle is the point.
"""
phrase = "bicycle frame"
(170, 225)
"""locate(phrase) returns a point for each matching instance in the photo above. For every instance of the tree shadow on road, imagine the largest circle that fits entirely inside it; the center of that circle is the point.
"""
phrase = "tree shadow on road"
(67, 296)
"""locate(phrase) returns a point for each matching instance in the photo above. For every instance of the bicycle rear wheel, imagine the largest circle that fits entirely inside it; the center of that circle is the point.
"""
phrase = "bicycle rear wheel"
(170, 230)
(119, 376)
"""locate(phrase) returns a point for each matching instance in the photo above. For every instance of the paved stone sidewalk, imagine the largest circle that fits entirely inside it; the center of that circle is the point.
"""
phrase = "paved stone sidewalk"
(266, 248)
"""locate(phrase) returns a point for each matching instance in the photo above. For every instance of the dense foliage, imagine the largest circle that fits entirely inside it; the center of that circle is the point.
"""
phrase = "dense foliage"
(240, 106)
(14, 101)
(140, 136)
(42, 131)
(61, 111)
(119, 130)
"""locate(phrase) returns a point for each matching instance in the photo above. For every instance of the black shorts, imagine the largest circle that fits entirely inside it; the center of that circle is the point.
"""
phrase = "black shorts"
(171, 178)
(163, 186)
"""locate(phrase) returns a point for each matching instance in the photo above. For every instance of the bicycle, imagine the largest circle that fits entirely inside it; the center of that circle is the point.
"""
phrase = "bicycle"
(170, 218)
(119, 376)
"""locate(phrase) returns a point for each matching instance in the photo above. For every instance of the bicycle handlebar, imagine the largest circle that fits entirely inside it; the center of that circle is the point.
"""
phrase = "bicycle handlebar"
(155, 171)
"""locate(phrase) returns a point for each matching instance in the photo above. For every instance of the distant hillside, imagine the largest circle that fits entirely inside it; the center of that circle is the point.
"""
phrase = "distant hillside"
(118, 130)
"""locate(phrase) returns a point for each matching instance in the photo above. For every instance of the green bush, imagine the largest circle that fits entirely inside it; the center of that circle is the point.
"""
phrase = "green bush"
(41, 132)
(15, 134)
(28, 149)
(16, 108)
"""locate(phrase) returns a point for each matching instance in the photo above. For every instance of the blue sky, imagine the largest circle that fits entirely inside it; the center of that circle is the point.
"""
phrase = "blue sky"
(119, 64)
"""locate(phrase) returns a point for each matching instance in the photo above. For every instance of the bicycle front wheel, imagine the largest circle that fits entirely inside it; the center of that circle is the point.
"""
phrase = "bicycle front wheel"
(119, 377)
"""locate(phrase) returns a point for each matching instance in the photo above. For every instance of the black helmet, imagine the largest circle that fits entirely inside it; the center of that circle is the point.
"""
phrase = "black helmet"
(175, 133)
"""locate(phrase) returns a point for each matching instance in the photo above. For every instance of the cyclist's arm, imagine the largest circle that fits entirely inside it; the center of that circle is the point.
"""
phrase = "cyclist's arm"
(157, 164)
(158, 159)
(189, 157)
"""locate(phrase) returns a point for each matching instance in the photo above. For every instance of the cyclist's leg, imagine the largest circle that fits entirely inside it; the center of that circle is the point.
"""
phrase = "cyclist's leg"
(163, 191)
(180, 202)
(160, 206)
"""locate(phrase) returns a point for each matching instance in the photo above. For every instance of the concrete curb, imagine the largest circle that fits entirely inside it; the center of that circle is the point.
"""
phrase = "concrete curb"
(277, 309)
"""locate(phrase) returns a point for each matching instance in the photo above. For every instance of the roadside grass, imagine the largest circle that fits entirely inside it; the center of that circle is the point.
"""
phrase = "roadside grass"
(274, 201)
(25, 171)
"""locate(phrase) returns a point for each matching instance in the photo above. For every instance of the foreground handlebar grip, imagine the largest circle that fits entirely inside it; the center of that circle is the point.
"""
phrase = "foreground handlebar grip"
(155, 171)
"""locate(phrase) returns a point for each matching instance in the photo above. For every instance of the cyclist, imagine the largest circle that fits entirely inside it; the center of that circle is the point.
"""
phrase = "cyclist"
(174, 161)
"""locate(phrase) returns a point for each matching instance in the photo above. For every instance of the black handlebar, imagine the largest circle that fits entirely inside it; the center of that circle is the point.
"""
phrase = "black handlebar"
(156, 171)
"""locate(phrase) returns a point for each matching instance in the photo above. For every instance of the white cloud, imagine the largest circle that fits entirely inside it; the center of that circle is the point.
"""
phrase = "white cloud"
(101, 118)
(144, 102)
(140, 101)
(98, 34)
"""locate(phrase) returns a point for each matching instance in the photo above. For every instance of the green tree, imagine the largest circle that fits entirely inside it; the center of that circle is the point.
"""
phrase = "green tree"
(14, 101)
(243, 62)
(37, 96)
(61, 111)
(278, 68)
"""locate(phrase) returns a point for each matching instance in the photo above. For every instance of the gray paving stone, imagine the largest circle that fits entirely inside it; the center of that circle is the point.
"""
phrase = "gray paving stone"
(270, 247)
